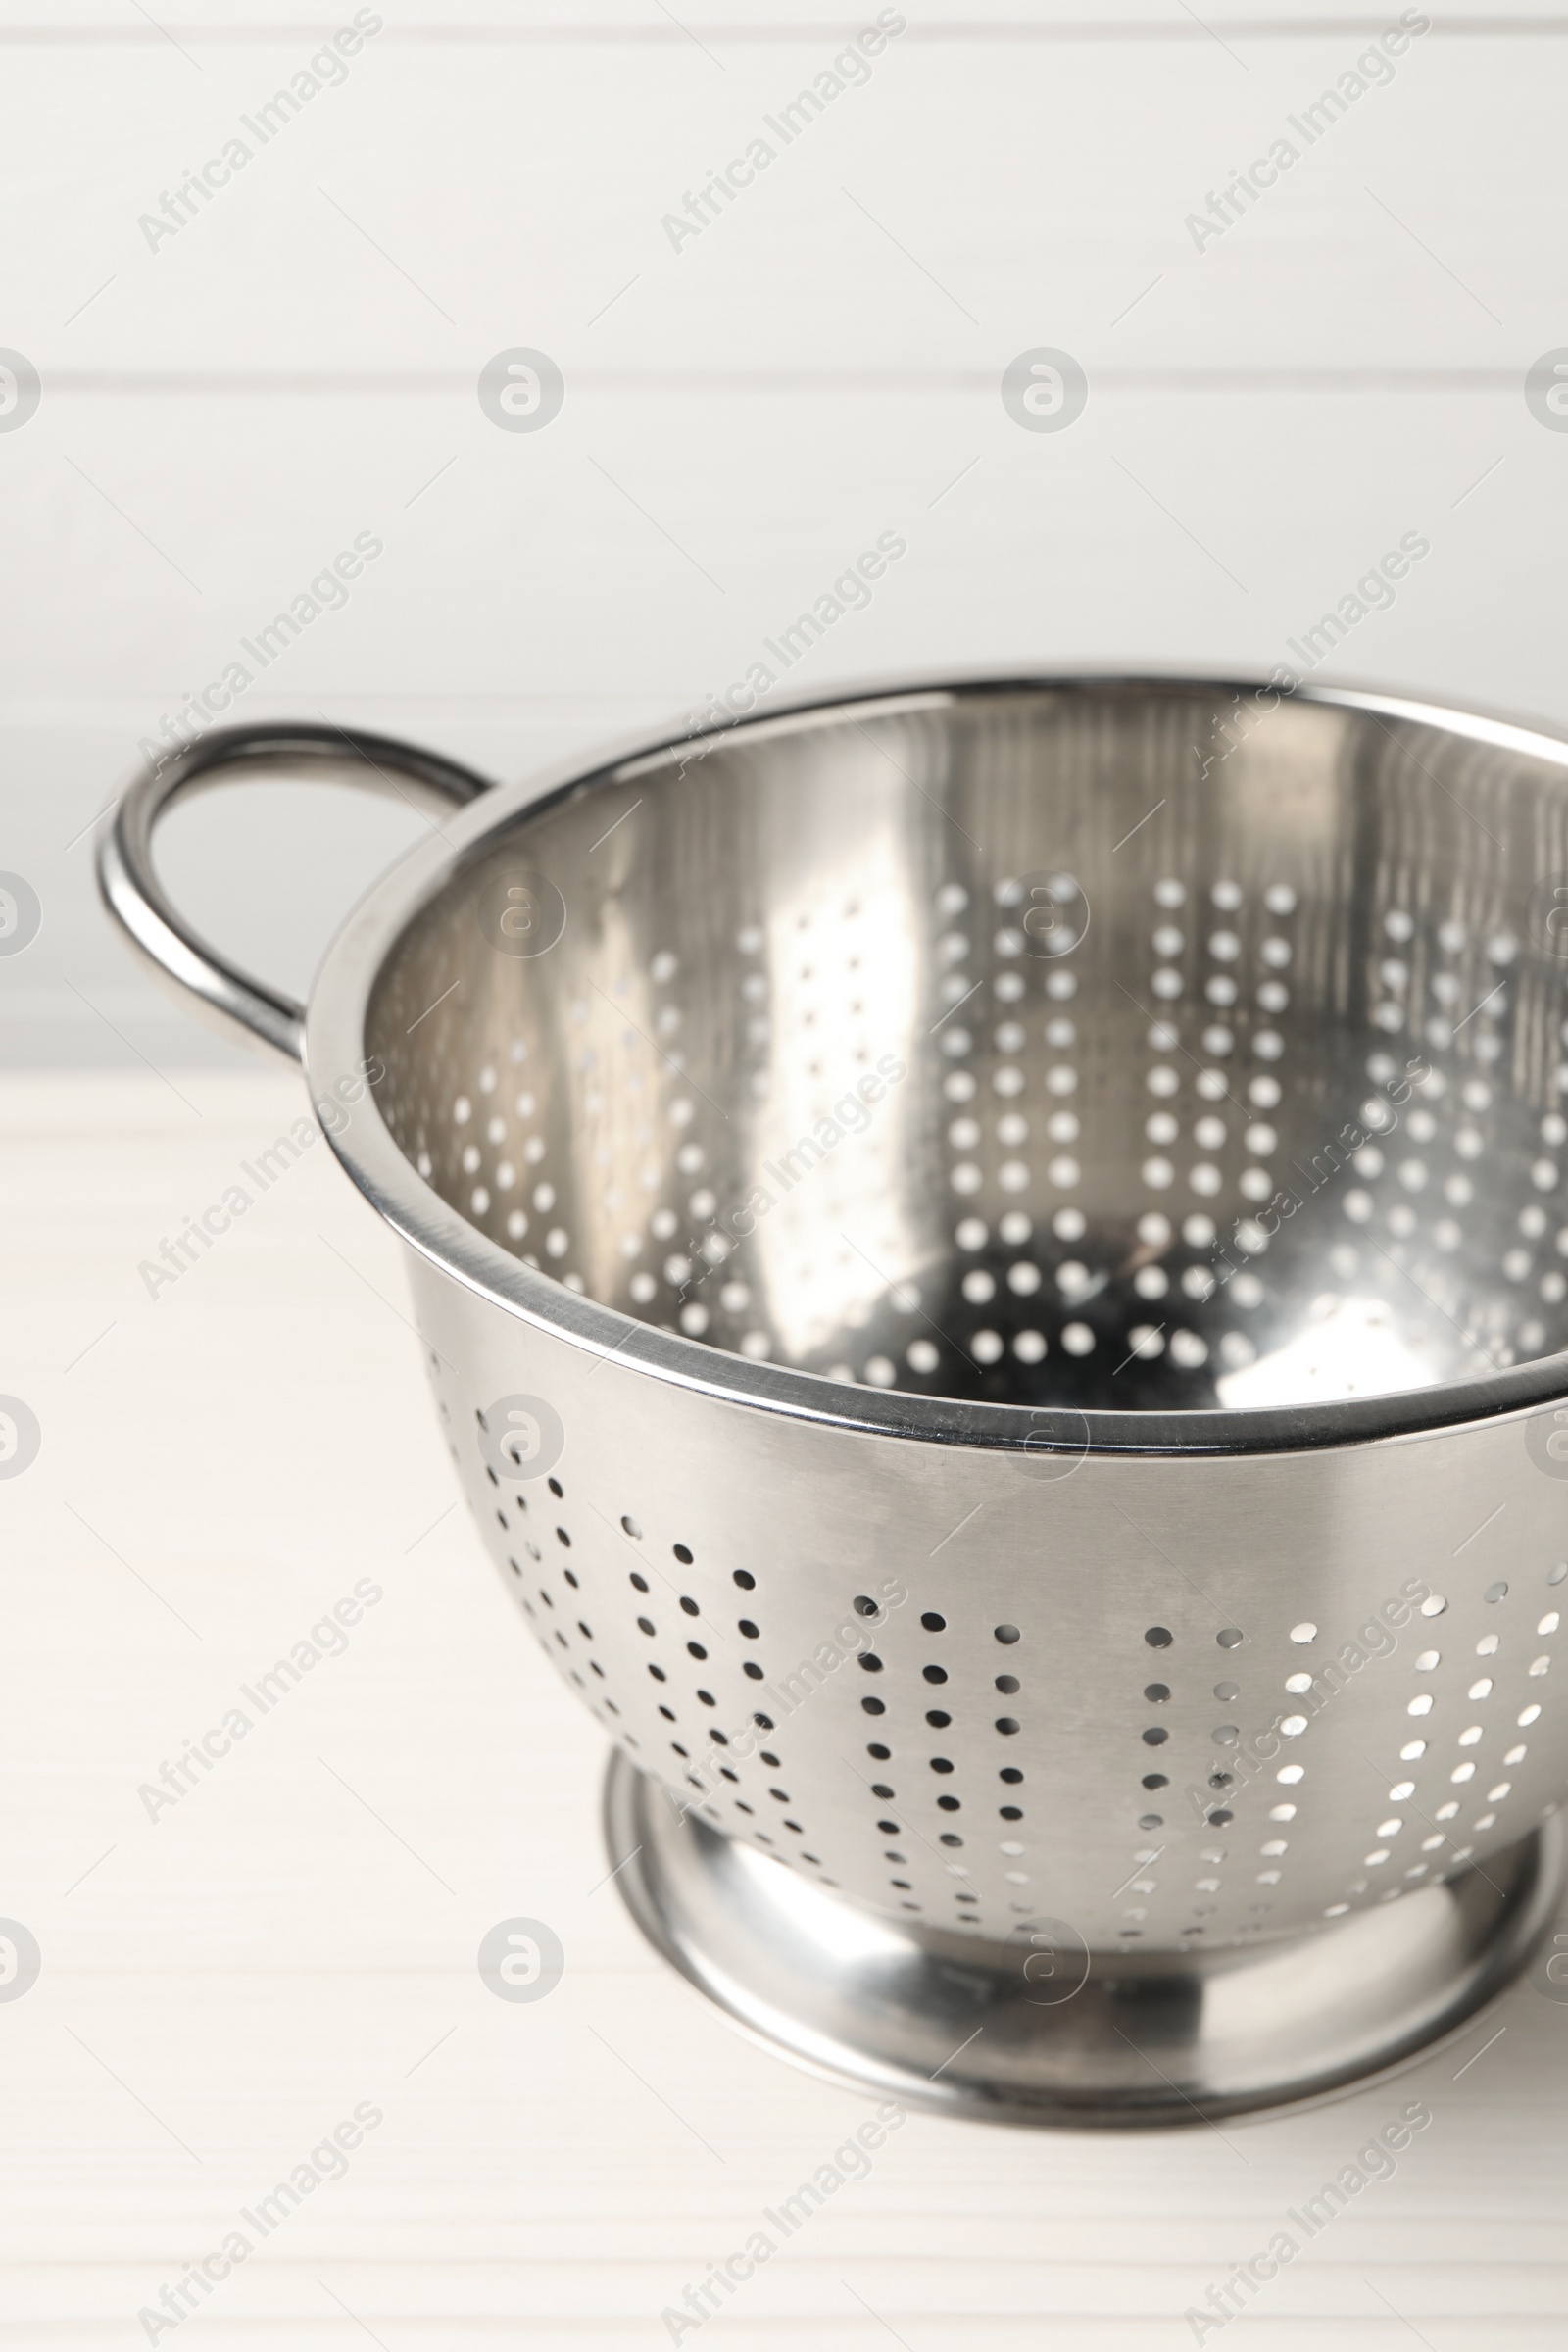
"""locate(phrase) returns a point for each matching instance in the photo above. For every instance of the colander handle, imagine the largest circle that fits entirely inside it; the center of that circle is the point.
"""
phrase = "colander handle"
(228, 997)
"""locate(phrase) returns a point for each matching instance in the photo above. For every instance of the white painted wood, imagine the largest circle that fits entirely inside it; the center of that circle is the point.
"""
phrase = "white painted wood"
(649, 549)
(203, 24)
(217, 1469)
(547, 596)
(535, 213)
(220, 416)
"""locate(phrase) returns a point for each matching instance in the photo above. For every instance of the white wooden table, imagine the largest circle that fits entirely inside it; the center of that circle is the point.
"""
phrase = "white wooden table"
(225, 1981)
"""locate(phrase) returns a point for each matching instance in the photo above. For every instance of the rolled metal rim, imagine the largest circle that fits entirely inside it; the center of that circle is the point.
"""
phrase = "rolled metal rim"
(334, 1046)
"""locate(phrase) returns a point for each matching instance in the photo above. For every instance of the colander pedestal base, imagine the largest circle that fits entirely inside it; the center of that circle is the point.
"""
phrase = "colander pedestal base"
(1025, 2033)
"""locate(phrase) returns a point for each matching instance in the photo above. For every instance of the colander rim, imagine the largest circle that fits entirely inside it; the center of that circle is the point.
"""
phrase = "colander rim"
(335, 1049)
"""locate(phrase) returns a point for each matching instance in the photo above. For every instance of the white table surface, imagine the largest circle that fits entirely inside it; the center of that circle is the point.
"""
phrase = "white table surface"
(223, 1984)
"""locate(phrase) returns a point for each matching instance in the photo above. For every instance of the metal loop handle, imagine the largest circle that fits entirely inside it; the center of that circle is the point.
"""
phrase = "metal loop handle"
(225, 997)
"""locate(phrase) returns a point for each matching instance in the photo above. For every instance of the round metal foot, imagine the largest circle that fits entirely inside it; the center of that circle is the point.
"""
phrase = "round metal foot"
(1038, 2029)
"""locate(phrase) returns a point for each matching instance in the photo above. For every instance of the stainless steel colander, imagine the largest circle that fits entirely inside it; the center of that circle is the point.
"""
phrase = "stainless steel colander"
(994, 1263)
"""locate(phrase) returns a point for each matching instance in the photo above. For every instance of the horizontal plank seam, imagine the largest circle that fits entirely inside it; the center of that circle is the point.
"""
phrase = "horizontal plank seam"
(118, 382)
(942, 32)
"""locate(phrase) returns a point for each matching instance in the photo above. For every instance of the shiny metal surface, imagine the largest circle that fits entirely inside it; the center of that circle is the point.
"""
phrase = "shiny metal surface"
(225, 998)
(986, 1049)
(1178, 1702)
(1034, 2028)
(990, 1258)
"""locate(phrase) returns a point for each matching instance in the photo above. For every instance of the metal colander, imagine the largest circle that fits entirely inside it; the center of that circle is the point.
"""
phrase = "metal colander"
(994, 1260)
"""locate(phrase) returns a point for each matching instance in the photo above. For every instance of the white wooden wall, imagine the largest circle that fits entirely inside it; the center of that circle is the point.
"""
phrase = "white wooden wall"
(222, 413)
(218, 418)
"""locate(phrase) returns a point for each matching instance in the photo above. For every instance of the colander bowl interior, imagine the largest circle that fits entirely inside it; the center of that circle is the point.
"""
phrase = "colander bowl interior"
(1121, 1046)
